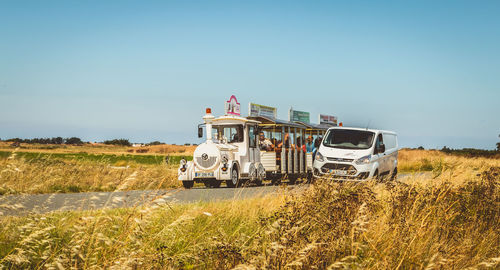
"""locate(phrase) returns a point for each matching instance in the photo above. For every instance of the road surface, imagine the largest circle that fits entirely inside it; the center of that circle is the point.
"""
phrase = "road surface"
(17, 205)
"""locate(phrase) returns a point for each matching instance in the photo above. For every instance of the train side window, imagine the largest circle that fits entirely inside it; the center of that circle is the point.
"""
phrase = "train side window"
(252, 137)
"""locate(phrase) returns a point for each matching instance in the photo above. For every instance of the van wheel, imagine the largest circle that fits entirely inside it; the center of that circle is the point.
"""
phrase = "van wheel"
(376, 176)
(188, 184)
(394, 175)
(235, 179)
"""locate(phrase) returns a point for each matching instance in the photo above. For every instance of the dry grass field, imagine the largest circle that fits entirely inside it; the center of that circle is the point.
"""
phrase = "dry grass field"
(446, 219)
(56, 168)
(99, 148)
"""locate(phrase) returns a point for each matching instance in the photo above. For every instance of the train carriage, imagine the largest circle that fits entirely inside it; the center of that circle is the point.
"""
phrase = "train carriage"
(286, 158)
(233, 152)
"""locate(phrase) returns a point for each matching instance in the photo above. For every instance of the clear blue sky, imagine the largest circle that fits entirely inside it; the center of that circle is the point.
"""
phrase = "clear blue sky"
(145, 70)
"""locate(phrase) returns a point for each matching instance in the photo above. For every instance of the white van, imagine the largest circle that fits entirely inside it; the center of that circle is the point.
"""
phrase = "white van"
(356, 154)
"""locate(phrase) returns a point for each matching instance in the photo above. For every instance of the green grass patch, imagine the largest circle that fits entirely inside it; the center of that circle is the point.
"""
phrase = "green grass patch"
(107, 158)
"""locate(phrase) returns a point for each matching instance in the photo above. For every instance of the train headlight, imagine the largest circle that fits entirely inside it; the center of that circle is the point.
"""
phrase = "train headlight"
(224, 159)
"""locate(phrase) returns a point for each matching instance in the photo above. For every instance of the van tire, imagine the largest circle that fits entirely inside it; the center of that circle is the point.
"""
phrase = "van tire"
(376, 175)
(235, 179)
(394, 175)
(188, 184)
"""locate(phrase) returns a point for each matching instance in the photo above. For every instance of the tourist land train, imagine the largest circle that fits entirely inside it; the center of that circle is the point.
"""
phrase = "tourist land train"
(260, 147)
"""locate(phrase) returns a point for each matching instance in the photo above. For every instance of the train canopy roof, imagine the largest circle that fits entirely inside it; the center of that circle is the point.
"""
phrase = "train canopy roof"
(228, 119)
(311, 126)
(266, 121)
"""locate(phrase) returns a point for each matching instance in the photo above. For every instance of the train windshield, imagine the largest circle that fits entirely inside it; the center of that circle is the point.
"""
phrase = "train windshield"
(233, 133)
(348, 139)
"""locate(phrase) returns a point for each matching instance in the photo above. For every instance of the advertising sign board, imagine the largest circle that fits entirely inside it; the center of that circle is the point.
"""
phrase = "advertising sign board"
(298, 116)
(327, 119)
(261, 110)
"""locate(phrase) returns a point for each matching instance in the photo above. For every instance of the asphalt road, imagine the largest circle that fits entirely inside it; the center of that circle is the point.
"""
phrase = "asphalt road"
(17, 205)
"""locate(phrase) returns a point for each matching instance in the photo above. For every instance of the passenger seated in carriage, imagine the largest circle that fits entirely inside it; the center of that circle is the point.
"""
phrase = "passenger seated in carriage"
(286, 142)
(309, 144)
(300, 146)
(264, 143)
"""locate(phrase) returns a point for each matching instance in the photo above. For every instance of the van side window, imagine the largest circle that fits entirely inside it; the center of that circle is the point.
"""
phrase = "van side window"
(390, 141)
(379, 142)
(252, 137)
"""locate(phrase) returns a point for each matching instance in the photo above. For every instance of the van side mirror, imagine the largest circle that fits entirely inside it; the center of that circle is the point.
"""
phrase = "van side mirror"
(381, 148)
(200, 132)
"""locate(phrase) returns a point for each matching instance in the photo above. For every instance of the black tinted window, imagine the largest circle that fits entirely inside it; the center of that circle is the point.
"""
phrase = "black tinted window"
(348, 139)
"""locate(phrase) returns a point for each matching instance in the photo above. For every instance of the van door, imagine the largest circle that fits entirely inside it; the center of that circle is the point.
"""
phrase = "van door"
(380, 155)
(391, 151)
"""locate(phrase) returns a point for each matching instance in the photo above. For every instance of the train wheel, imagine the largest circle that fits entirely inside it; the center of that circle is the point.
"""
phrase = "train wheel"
(276, 181)
(188, 184)
(292, 180)
(235, 179)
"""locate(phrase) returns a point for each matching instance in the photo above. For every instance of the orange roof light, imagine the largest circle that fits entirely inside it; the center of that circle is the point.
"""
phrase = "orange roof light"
(209, 111)
(340, 125)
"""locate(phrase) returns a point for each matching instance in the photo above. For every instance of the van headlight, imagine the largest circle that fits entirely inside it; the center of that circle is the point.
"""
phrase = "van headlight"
(319, 157)
(183, 162)
(364, 160)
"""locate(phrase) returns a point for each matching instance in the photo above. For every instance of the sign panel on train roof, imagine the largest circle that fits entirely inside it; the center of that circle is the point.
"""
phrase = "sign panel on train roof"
(232, 106)
(299, 116)
(327, 119)
(261, 110)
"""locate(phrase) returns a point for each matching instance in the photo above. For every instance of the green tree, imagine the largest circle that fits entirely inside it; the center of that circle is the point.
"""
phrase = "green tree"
(498, 144)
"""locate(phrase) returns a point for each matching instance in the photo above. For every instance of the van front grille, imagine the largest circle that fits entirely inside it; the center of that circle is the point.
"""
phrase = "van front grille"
(337, 166)
(339, 159)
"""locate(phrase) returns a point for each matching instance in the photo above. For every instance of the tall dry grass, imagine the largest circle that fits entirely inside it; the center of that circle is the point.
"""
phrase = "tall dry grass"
(155, 236)
(49, 175)
(449, 219)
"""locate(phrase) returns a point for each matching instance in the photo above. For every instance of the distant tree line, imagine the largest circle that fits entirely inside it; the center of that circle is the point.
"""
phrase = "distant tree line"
(472, 152)
(155, 143)
(122, 142)
(54, 140)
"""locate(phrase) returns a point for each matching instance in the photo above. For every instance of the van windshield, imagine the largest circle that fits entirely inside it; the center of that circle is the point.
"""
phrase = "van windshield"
(348, 139)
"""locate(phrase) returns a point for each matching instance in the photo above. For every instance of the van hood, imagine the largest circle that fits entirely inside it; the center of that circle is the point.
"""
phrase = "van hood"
(344, 153)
